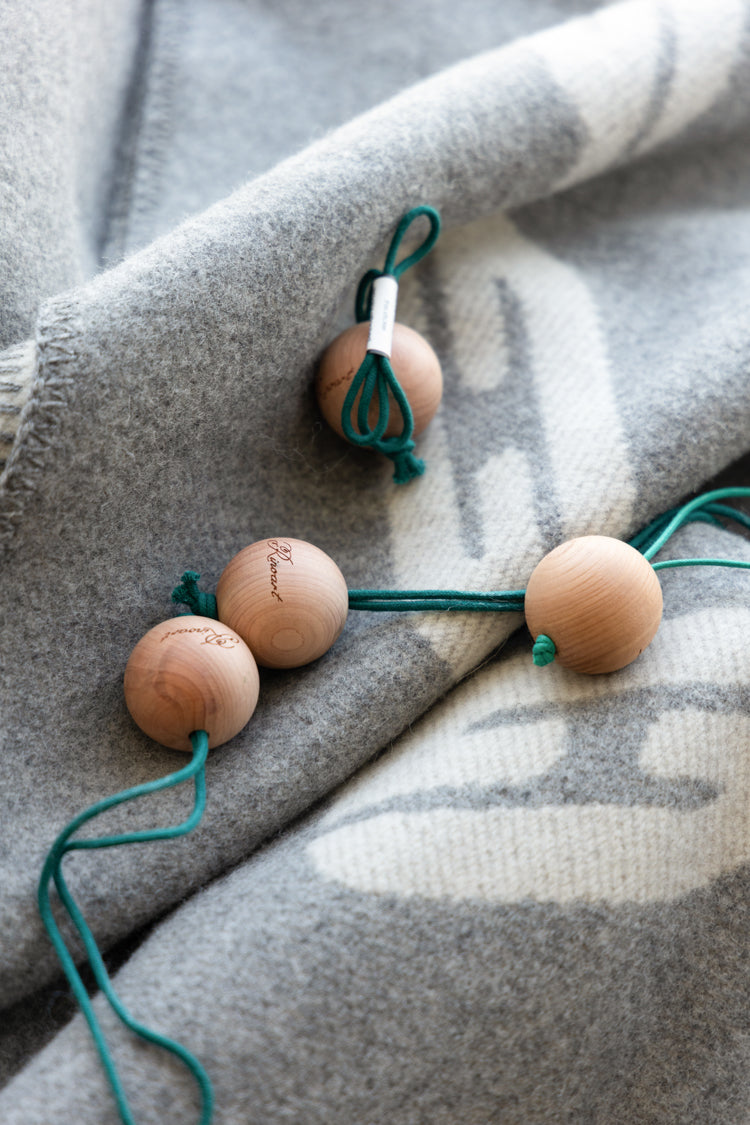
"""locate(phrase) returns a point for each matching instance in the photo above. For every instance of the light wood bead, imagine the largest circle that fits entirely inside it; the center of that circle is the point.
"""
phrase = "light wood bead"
(286, 598)
(414, 364)
(599, 601)
(191, 673)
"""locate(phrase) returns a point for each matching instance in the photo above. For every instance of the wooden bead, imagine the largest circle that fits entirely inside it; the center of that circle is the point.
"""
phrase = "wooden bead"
(414, 364)
(287, 599)
(191, 673)
(599, 601)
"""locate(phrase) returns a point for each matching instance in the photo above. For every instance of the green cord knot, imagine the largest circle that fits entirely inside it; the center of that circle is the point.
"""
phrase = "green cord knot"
(407, 466)
(375, 380)
(189, 594)
(544, 650)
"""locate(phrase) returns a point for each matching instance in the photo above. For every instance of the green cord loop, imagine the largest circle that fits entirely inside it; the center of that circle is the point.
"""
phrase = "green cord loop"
(393, 268)
(52, 872)
(375, 380)
(698, 509)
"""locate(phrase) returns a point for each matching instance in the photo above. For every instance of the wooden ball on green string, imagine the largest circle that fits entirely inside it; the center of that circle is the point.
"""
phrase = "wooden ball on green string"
(593, 605)
(187, 674)
(379, 383)
(286, 598)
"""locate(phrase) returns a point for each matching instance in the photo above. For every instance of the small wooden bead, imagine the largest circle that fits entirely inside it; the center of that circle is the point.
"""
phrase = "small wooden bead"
(599, 601)
(191, 673)
(414, 364)
(286, 598)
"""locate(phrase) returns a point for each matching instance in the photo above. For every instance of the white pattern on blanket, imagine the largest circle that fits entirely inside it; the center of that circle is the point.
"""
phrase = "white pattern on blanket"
(618, 852)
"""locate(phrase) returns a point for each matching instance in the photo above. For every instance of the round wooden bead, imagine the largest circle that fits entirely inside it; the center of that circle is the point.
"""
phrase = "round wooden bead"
(191, 673)
(599, 601)
(286, 598)
(414, 364)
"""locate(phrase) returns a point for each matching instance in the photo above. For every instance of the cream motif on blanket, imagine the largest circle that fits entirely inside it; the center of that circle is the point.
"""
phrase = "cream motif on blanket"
(584, 443)
(638, 74)
(563, 852)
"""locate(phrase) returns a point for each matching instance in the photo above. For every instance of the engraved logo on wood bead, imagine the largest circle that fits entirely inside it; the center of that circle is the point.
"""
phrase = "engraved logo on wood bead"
(184, 685)
(281, 552)
(324, 390)
(210, 637)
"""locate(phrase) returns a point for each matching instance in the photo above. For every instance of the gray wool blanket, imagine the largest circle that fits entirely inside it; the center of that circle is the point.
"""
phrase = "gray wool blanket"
(434, 883)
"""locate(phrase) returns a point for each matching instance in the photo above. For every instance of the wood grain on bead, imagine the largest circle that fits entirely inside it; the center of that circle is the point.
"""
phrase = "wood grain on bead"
(598, 599)
(414, 364)
(286, 598)
(191, 673)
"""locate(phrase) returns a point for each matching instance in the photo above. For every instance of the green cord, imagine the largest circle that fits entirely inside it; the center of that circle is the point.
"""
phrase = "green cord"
(375, 376)
(649, 534)
(694, 509)
(380, 601)
(52, 871)
(668, 564)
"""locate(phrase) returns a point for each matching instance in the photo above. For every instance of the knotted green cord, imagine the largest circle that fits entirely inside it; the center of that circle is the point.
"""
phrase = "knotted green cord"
(52, 870)
(188, 593)
(543, 652)
(375, 374)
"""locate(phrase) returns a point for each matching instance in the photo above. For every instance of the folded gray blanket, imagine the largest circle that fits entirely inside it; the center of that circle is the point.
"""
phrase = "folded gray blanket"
(533, 905)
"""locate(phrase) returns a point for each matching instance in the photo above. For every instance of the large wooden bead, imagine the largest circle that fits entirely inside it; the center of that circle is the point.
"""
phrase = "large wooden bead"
(191, 673)
(414, 364)
(599, 601)
(286, 598)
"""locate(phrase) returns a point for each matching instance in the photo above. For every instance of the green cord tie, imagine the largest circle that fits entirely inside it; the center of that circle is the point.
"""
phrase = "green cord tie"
(52, 871)
(544, 650)
(375, 379)
(188, 593)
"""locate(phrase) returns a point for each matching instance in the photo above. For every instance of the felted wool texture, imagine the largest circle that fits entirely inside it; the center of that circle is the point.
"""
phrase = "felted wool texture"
(300, 72)
(131, 461)
(532, 908)
(171, 420)
(66, 69)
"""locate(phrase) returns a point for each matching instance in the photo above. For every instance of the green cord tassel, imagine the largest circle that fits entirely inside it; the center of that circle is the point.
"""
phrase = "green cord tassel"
(375, 379)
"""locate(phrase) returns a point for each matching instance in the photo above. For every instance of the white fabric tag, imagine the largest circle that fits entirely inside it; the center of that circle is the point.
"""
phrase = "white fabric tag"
(382, 315)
